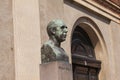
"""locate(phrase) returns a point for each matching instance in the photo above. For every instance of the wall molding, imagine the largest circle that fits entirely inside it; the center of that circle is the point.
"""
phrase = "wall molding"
(92, 5)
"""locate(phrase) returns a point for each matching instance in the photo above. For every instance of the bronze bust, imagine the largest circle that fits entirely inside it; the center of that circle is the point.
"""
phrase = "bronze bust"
(51, 50)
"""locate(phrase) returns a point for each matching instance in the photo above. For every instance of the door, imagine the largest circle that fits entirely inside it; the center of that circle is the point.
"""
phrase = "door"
(85, 65)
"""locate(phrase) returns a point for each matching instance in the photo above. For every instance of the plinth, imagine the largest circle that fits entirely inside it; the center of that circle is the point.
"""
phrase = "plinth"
(57, 70)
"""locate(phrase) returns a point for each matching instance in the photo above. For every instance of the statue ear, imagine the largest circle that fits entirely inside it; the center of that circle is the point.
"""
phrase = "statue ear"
(53, 30)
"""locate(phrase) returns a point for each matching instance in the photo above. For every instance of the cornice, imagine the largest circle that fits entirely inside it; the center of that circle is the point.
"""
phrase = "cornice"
(102, 10)
(115, 2)
(109, 5)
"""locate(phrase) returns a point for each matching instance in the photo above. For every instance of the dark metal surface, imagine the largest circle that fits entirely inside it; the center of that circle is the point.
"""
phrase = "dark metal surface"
(51, 50)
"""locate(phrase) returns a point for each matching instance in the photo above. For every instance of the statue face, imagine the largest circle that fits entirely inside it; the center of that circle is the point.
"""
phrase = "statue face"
(61, 32)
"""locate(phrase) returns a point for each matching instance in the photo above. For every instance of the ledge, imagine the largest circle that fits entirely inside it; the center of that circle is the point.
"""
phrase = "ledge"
(84, 61)
(99, 9)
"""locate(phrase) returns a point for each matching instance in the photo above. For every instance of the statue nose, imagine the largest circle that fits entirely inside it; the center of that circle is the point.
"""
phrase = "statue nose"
(66, 30)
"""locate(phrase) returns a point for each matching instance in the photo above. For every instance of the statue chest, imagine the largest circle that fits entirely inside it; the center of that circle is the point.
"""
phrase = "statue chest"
(60, 53)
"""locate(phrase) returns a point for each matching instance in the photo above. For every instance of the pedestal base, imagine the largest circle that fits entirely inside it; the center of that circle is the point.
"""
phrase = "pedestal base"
(56, 70)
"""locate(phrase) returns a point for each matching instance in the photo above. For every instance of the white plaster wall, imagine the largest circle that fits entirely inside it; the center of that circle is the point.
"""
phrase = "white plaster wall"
(115, 33)
(7, 65)
(69, 13)
(26, 39)
(109, 42)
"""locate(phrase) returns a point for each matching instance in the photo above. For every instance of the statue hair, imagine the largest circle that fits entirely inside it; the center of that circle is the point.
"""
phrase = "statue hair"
(52, 25)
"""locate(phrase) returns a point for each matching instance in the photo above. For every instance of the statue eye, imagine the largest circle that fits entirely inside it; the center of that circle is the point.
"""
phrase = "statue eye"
(62, 27)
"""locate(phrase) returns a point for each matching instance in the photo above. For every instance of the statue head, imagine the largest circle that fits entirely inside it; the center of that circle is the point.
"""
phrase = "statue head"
(57, 29)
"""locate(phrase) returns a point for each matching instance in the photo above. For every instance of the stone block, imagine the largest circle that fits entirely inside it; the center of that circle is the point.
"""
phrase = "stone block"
(57, 70)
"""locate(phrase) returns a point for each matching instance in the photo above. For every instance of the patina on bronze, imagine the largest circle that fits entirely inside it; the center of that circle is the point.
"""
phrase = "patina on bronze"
(51, 50)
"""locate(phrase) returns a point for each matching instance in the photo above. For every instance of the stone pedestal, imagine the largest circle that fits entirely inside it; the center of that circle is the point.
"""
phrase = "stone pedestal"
(56, 70)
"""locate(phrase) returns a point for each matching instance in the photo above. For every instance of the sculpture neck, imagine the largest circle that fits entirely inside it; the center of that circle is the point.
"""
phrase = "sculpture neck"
(55, 41)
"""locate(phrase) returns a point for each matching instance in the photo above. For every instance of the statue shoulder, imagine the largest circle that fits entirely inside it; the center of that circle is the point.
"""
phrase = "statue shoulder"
(47, 52)
(47, 46)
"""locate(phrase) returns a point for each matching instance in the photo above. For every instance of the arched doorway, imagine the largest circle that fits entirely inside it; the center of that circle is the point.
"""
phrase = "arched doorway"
(85, 64)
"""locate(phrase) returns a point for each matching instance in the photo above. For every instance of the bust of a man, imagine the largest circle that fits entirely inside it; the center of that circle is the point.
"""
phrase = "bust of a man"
(51, 50)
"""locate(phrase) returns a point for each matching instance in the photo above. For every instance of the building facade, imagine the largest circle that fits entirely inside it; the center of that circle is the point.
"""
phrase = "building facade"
(93, 37)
